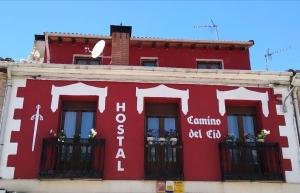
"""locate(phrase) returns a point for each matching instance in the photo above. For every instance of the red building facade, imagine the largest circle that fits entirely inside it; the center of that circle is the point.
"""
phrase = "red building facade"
(198, 119)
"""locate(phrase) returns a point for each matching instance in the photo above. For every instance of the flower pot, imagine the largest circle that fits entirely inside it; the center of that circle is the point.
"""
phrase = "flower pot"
(150, 140)
(260, 140)
(161, 140)
(173, 140)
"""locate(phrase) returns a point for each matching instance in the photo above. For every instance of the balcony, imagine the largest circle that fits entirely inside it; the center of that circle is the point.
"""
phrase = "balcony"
(73, 158)
(163, 161)
(250, 161)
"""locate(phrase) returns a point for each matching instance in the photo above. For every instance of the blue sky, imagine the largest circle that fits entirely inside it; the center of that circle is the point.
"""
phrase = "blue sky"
(271, 24)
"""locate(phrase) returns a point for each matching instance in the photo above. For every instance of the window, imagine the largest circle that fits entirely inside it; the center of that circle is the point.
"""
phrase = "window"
(78, 118)
(163, 156)
(241, 121)
(77, 155)
(209, 64)
(87, 61)
(245, 159)
(161, 120)
(151, 62)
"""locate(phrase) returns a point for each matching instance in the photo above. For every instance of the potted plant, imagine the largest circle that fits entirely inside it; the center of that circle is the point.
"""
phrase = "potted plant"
(150, 136)
(92, 134)
(248, 137)
(229, 137)
(60, 136)
(261, 136)
(173, 137)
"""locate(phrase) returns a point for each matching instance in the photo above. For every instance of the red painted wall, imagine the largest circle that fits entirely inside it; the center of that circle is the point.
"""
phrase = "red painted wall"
(62, 52)
(201, 156)
(186, 57)
(182, 57)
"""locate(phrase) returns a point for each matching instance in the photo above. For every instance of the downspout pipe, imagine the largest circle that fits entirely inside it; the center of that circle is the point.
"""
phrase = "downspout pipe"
(297, 113)
(293, 93)
(5, 111)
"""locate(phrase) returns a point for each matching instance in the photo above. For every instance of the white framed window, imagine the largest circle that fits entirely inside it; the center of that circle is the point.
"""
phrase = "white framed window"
(209, 64)
(149, 61)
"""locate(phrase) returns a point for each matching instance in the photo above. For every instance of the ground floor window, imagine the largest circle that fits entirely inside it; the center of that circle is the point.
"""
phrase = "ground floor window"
(78, 119)
(77, 154)
(241, 122)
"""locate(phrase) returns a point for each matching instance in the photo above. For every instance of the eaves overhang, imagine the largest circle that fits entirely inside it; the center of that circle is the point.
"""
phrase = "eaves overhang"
(143, 74)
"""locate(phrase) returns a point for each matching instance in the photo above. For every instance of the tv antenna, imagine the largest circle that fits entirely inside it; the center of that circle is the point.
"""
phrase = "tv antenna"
(269, 54)
(212, 26)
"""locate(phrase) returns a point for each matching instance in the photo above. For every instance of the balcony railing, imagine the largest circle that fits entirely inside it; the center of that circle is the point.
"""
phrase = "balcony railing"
(163, 161)
(73, 158)
(250, 161)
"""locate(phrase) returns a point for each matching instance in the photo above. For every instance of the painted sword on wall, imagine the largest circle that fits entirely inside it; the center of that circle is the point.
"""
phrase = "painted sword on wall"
(36, 117)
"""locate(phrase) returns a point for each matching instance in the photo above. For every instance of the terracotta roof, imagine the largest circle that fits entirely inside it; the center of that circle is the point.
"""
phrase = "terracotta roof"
(154, 39)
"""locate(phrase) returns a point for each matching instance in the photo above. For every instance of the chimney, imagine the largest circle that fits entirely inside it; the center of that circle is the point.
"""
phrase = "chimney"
(120, 44)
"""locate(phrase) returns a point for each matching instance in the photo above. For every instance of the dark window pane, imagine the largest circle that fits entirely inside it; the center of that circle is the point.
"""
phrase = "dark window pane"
(87, 123)
(153, 127)
(169, 125)
(87, 61)
(150, 63)
(94, 62)
(232, 124)
(209, 65)
(81, 61)
(248, 123)
(69, 124)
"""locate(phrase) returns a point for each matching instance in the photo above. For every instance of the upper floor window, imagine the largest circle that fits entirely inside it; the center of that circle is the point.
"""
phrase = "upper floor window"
(87, 60)
(209, 64)
(149, 61)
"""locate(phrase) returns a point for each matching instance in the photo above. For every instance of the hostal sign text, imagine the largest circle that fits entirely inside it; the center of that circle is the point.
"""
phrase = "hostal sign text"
(120, 119)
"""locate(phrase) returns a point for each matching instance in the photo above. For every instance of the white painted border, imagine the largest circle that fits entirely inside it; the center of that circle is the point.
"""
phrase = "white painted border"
(10, 148)
(78, 89)
(163, 92)
(242, 93)
(289, 130)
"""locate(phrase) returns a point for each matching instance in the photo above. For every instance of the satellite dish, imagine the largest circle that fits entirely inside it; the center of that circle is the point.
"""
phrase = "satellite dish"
(98, 48)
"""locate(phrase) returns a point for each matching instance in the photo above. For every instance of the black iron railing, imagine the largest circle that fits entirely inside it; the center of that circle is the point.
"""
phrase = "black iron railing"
(163, 161)
(72, 158)
(250, 161)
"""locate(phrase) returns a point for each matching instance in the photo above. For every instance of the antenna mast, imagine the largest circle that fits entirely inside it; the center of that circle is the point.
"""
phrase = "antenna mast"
(268, 55)
(212, 26)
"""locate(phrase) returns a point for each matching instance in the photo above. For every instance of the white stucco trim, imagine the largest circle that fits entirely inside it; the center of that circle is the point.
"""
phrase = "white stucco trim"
(78, 89)
(242, 93)
(163, 92)
(289, 130)
(10, 148)
(145, 74)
